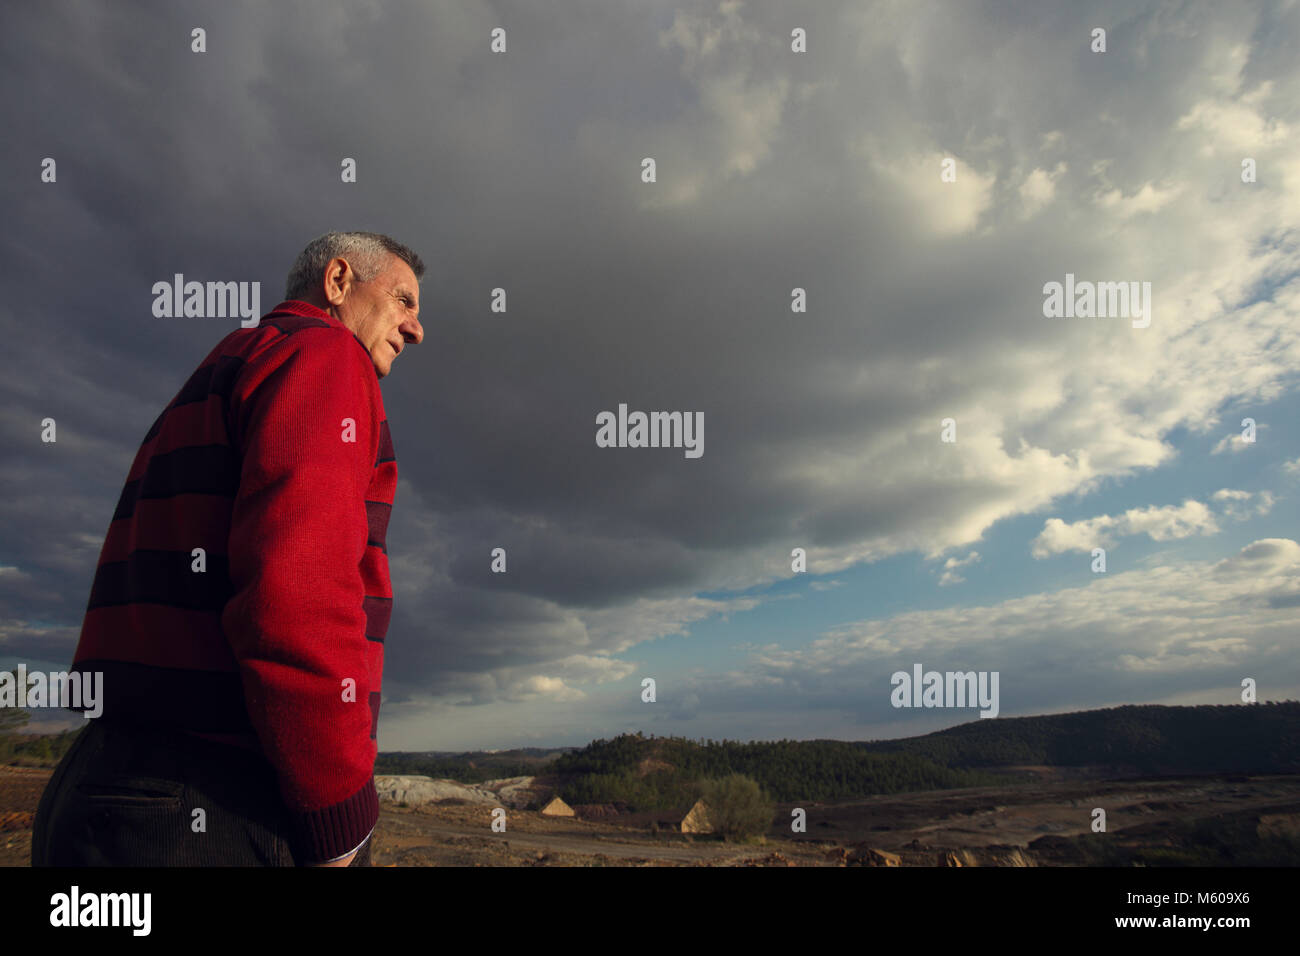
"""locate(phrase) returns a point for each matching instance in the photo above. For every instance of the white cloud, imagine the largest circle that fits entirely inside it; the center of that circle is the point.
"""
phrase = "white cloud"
(545, 688)
(1230, 494)
(1237, 126)
(826, 585)
(1234, 442)
(1166, 523)
(1148, 199)
(1240, 505)
(1039, 189)
(950, 575)
(934, 208)
(1159, 523)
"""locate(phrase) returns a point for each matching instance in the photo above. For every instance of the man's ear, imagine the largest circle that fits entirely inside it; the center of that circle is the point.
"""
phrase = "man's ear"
(339, 278)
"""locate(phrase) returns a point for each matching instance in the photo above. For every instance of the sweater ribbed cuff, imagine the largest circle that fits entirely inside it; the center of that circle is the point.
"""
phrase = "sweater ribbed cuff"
(331, 832)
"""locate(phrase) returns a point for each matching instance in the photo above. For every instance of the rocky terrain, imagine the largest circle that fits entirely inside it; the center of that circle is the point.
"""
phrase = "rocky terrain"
(513, 792)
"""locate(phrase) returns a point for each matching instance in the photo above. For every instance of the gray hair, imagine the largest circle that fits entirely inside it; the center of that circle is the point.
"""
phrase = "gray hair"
(366, 252)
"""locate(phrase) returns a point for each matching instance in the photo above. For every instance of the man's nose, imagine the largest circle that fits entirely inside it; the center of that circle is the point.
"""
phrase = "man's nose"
(412, 330)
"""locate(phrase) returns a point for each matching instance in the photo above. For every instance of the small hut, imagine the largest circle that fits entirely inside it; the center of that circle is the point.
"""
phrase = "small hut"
(697, 819)
(557, 808)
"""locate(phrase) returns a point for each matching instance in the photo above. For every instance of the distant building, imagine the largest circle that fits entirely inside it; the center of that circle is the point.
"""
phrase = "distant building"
(697, 819)
(557, 808)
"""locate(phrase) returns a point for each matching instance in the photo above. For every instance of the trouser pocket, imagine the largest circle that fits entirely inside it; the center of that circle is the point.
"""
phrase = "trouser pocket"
(122, 790)
(128, 820)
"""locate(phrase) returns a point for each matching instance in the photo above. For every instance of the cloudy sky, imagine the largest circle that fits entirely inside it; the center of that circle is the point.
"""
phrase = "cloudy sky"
(774, 170)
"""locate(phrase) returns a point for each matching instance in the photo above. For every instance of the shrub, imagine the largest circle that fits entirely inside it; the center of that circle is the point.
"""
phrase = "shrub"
(737, 806)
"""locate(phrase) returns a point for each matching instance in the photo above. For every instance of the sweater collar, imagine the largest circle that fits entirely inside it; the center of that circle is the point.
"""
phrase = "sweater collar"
(307, 310)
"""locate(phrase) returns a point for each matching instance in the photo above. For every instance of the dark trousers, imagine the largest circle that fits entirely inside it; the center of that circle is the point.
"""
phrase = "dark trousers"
(126, 795)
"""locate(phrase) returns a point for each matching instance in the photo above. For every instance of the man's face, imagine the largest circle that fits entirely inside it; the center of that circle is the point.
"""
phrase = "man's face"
(382, 313)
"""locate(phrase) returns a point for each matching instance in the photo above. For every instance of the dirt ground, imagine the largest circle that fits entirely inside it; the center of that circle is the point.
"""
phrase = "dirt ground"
(979, 817)
(20, 792)
(982, 826)
(463, 836)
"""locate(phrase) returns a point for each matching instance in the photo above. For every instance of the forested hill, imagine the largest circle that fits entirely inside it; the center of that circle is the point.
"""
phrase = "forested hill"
(655, 773)
(1263, 738)
(649, 771)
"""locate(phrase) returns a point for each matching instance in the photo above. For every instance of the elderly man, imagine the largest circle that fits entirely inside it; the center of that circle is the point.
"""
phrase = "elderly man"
(242, 595)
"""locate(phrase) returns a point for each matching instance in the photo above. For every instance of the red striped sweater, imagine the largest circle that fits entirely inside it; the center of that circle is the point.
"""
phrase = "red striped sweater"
(275, 459)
